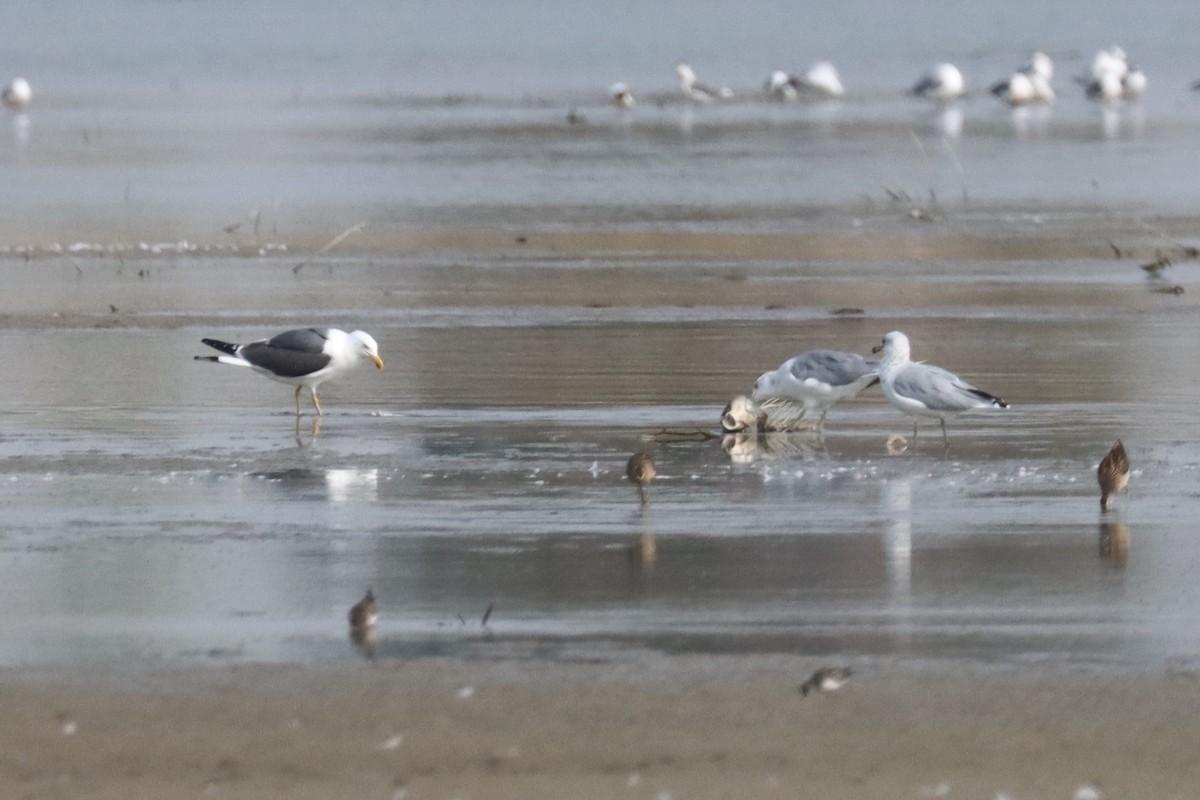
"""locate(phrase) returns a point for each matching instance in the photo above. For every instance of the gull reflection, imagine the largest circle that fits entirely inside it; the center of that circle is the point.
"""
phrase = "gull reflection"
(950, 121)
(897, 539)
(750, 446)
(351, 484)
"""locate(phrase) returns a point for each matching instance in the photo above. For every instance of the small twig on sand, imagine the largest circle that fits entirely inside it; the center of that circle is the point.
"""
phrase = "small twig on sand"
(332, 243)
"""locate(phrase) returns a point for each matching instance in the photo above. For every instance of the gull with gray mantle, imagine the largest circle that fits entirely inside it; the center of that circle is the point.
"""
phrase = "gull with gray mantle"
(817, 379)
(923, 390)
(301, 357)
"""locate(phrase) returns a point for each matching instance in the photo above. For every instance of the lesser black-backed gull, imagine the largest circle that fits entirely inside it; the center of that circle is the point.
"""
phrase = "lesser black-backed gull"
(301, 357)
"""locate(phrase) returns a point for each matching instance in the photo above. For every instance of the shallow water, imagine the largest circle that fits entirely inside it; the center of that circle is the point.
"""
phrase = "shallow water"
(157, 507)
(549, 296)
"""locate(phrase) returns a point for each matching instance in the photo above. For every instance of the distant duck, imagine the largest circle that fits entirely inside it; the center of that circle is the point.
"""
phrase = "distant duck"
(621, 96)
(826, 679)
(1112, 474)
(16, 93)
(943, 82)
(640, 471)
(696, 91)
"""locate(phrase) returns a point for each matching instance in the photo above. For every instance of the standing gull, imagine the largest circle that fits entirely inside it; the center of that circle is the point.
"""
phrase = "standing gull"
(695, 90)
(943, 82)
(16, 93)
(303, 357)
(1113, 474)
(817, 379)
(923, 390)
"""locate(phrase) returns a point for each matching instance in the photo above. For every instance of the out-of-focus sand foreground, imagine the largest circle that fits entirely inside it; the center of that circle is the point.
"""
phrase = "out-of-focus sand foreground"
(689, 728)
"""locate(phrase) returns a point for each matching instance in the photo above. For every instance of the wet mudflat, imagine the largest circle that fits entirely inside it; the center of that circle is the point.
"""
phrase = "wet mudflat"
(159, 508)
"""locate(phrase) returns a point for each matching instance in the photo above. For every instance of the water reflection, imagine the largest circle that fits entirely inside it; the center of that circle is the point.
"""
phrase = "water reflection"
(1114, 542)
(950, 121)
(897, 540)
(750, 446)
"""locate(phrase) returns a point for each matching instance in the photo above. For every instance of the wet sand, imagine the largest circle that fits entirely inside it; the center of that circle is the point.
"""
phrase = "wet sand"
(177, 562)
(696, 728)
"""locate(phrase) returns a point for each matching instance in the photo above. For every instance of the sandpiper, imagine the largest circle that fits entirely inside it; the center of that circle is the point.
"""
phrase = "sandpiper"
(1112, 474)
(826, 679)
(640, 470)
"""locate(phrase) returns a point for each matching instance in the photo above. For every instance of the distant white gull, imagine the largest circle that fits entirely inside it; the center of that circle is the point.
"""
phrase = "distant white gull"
(1112, 78)
(302, 357)
(943, 82)
(1016, 90)
(1134, 84)
(697, 91)
(781, 87)
(621, 96)
(823, 78)
(1030, 84)
(16, 93)
(923, 390)
(817, 379)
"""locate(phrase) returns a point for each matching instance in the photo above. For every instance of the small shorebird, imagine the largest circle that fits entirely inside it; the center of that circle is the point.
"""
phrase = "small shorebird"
(826, 679)
(640, 470)
(943, 82)
(817, 379)
(1112, 474)
(16, 93)
(923, 390)
(621, 96)
(302, 357)
(363, 613)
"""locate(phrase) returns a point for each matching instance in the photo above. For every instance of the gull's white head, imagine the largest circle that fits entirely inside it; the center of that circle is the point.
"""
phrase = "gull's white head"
(1041, 64)
(767, 385)
(686, 75)
(1112, 61)
(894, 349)
(16, 93)
(367, 348)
